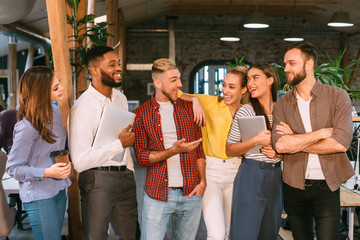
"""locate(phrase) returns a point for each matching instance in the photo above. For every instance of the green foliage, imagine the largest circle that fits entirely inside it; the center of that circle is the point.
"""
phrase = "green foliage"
(238, 62)
(332, 73)
(81, 31)
(282, 76)
(352, 151)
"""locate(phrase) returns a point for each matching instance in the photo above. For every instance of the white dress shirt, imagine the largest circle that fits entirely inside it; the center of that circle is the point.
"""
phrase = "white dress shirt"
(83, 121)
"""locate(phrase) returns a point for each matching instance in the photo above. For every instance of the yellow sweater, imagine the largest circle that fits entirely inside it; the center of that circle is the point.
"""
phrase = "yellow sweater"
(218, 123)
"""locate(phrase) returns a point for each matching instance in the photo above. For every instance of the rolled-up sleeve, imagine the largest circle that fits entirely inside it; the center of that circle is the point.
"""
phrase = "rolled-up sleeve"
(141, 144)
(343, 126)
(199, 148)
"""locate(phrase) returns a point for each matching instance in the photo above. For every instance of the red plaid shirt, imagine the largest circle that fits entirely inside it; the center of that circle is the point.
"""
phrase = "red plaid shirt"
(149, 137)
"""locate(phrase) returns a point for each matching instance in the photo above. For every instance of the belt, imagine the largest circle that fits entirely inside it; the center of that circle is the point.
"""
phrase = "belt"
(262, 164)
(177, 188)
(311, 182)
(110, 168)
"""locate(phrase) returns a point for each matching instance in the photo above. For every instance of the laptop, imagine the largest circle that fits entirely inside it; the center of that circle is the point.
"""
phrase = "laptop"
(113, 121)
(250, 127)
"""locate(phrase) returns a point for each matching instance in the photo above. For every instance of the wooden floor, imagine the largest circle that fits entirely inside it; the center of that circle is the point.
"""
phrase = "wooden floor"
(285, 234)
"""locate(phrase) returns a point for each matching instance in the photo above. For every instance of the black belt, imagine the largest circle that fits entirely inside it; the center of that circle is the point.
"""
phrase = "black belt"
(110, 168)
(262, 164)
(311, 182)
(177, 188)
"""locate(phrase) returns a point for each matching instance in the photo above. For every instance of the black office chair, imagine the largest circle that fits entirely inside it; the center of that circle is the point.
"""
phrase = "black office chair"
(8, 119)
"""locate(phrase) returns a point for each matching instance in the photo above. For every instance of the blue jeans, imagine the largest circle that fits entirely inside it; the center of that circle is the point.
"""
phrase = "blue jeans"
(185, 213)
(46, 216)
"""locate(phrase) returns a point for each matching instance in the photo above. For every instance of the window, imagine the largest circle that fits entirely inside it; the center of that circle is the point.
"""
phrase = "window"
(207, 77)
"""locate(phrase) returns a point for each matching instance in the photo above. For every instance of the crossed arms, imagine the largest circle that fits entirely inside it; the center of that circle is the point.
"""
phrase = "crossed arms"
(334, 138)
(316, 142)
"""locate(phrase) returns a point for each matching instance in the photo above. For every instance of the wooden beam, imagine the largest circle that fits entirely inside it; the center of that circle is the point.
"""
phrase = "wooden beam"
(60, 49)
(344, 44)
(30, 57)
(12, 79)
(80, 83)
(139, 66)
(111, 17)
(355, 72)
(172, 39)
(121, 49)
(239, 9)
(90, 10)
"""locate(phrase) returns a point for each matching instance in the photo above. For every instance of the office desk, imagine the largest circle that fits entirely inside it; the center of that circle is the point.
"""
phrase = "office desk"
(356, 119)
(350, 200)
(11, 186)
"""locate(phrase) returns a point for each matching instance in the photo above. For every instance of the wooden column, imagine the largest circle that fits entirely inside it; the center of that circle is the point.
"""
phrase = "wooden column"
(355, 72)
(12, 77)
(172, 39)
(79, 72)
(121, 49)
(111, 17)
(344, 44)
(60, 51)
(30, 57)
(59, 44)
(90, 10)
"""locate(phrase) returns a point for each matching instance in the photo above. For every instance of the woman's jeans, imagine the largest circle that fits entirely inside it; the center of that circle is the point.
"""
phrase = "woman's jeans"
(46, 216)
(220, 176)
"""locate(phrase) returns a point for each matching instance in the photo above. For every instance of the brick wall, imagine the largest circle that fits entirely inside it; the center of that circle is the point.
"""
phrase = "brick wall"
(197, 40)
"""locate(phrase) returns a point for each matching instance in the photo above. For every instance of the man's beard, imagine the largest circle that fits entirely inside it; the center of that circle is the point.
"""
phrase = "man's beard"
(109, 81)
(298, 77)
(168, 96)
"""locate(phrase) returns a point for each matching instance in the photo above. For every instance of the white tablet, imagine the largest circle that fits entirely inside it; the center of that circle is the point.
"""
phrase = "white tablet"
(113, 121)
(250, 127)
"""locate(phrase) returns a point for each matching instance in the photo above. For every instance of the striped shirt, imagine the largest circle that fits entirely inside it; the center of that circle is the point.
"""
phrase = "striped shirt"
(149, 137)
(235, 135)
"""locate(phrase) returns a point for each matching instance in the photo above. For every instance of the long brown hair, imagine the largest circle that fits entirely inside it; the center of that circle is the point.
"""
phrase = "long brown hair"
(35, 100)
(269, 71)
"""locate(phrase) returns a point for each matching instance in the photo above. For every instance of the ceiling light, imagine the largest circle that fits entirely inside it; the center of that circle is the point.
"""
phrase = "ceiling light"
(229, 36)
(256, 20)
(340, 19)
(294, 36)
(230, 39)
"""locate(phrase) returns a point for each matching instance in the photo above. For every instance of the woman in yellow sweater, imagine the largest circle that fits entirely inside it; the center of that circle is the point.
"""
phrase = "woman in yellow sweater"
(220, 169)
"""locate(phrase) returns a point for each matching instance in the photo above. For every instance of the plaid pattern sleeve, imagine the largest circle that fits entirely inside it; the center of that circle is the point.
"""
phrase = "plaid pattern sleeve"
(148, 138)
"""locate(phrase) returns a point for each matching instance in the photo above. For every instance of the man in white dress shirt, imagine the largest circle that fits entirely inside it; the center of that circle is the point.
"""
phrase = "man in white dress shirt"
(107, 186)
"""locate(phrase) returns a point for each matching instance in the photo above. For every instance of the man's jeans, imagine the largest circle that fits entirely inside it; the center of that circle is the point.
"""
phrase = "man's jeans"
(185, 213)
(46, 216)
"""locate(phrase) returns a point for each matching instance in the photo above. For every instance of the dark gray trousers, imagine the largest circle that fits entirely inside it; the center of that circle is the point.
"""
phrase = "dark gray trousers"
(257, 204)
(108, 197)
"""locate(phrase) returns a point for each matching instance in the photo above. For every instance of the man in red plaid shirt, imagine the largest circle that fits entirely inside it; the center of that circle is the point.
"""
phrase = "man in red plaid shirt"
(168, 143)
